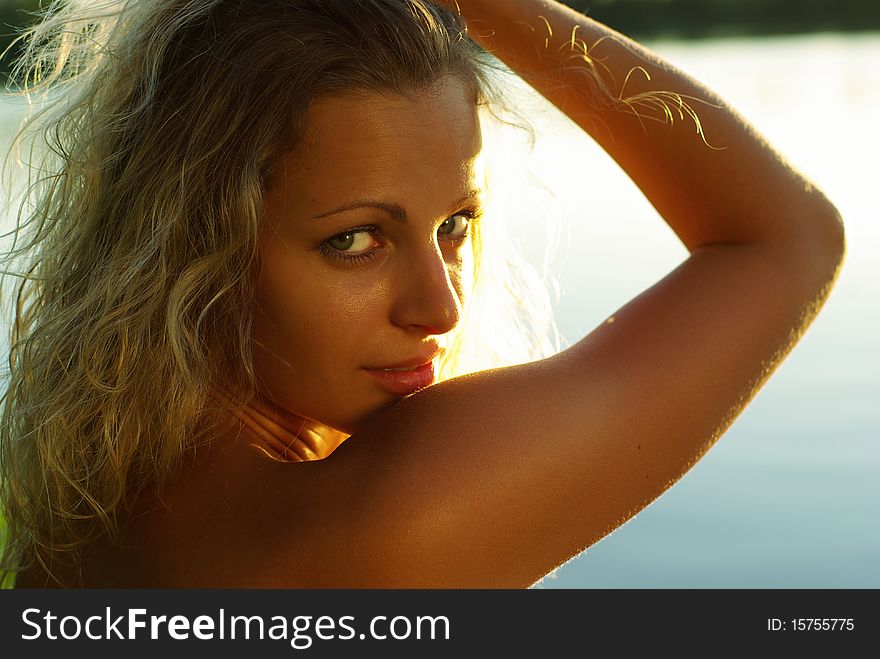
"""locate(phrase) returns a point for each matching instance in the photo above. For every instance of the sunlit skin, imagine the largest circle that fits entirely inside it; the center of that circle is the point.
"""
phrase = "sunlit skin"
(493, 479)
(366, 287)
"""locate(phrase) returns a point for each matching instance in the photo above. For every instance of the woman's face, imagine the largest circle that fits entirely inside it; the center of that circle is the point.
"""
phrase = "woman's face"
(366, 252)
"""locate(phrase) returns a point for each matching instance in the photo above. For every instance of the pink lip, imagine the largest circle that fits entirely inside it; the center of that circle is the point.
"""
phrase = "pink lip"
(403, 383)
(409, 363)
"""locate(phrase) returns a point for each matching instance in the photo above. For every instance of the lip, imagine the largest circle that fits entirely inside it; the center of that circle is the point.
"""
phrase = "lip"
(433, 352)
(403, 383)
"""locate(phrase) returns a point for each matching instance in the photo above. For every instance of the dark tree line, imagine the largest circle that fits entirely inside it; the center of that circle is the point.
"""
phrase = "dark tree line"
(648, 19)
(644, 19)
(14, 15)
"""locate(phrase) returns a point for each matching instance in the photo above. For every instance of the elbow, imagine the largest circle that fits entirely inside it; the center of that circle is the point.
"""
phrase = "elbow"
(822, 239)
(813, 252)
(833, 240)
(840, 238)
(822, 251)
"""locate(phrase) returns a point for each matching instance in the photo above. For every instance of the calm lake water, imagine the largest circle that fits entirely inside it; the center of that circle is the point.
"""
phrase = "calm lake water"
(788, 497)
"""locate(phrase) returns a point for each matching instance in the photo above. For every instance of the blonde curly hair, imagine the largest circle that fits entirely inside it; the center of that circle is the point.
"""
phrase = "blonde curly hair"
(134, 254)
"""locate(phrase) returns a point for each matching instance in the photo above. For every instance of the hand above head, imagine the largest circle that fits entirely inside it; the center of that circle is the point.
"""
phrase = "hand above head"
(647, 113)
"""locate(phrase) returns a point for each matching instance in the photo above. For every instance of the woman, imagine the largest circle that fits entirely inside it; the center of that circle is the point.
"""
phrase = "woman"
(258, 253)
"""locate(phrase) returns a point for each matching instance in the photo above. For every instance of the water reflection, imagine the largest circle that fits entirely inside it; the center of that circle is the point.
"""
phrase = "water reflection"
(787, 498)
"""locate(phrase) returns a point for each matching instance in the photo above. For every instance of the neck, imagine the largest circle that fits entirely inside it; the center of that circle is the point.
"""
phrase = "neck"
(280, 434)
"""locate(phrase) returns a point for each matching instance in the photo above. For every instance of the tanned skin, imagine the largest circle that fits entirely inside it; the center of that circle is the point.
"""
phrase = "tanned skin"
(494, 479)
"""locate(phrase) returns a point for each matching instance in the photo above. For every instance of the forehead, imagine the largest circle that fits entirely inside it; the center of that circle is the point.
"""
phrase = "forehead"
(423, 143)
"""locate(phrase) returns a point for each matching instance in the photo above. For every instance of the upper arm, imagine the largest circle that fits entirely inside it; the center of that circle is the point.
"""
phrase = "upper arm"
(496, 478)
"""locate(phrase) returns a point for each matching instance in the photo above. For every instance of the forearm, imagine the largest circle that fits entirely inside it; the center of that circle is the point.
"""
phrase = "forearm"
(724, 185)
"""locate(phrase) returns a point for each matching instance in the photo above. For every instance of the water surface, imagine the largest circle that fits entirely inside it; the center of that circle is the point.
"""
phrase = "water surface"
(788, 497)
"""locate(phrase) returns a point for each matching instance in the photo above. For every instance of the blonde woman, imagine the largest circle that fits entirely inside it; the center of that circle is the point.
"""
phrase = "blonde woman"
(247, 277)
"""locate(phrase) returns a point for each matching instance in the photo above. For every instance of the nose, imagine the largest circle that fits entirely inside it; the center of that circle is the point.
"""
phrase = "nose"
(429, 293)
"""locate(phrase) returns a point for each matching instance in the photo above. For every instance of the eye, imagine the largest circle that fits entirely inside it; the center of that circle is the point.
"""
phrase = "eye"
(352, 246)
(456, 226)
(352, 242)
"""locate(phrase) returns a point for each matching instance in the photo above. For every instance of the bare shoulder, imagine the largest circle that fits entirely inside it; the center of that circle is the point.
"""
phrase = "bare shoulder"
(494, 479)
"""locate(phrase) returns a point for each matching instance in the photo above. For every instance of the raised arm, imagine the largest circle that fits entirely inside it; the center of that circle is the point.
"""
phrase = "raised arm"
(739, 191)
(496, 478)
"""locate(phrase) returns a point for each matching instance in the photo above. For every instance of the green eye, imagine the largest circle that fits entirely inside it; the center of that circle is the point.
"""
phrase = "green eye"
(353, 242)
(343, 242)
(455, 226)
(354, 245)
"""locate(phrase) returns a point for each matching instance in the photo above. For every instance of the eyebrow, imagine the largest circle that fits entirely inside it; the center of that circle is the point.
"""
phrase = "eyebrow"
(396, 211)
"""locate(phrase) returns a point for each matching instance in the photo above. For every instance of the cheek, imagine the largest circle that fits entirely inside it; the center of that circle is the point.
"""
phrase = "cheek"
(356, 300)
(318, 314)
(462, 273)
